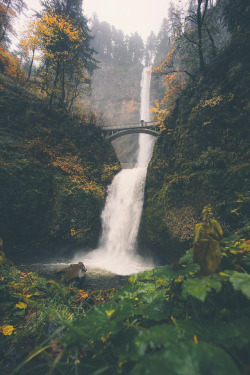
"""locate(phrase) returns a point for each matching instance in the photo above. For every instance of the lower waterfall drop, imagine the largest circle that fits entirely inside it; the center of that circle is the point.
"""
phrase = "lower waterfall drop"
(122, 212)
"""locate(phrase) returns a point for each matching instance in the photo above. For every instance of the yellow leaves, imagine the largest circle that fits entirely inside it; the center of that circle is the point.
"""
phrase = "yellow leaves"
(167, 63)
(109, 172)
(161, 165)
(173, 319)
(132, 279)
(28, 295)
(121, 363)
(213, 102)
(21, 305)
(23, 275)
(174, 82)
(161, 113)
(55, 28)
(76, 171)
(109, 312)
(7, 330)
(83, 293)
(195, 339)
(179, 279)
(11, 65)
(54, 35)
(223, 274)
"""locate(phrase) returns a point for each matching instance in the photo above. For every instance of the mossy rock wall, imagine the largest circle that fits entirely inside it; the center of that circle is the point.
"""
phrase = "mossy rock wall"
(54, 172)
(201, 157)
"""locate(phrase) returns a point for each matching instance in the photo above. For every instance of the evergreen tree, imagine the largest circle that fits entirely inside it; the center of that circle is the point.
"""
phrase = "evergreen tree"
(236, 12)
(119, 47)
(8, 10)
(135, 48)
(174, 20)
(163, 42)
(151, 48)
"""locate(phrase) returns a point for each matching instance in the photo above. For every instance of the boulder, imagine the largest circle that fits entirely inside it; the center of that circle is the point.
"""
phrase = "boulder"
(74, 274)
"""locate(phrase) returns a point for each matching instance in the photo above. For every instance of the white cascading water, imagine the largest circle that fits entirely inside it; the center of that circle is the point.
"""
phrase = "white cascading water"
(122, 212)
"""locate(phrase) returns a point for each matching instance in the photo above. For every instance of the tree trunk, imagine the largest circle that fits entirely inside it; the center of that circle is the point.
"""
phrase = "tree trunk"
(31, 64)
(200, 19)
(55, 83)
(63, 85)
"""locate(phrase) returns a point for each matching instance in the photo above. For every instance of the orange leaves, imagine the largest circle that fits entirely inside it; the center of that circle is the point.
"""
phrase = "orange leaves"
(7, 330)
(11, 65)
(21, 305)
(51, 31)
(173, 84)
(77, 171)
(59, 42)
(173, 80)
(216, 100)
(30, 42)
(83, 295)
(167, 63)
(55, 36)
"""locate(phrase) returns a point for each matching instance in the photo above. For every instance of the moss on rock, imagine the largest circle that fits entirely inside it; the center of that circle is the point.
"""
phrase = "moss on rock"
(203, 159)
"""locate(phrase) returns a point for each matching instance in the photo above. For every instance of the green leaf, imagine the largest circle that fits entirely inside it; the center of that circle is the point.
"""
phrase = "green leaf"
(196, 288)
(199, 288)
(213, 282)
(187, 359)
(156, 307)
(233, 334)
(156, 337)
(166, 272)
(241, 281)
(133, 289)
(97, 324)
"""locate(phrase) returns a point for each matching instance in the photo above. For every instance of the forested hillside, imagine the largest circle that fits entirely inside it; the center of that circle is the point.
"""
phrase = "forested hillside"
(201, 155)
(55, 163)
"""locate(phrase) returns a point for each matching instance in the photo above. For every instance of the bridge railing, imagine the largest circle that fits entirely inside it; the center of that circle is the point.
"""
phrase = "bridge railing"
(145, 125)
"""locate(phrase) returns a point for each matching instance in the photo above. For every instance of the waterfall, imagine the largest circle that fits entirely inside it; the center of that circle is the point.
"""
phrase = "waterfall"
(122, 212)
(146, 142)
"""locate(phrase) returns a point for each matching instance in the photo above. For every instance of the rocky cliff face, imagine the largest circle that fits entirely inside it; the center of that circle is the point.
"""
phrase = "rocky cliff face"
(115, 97)
(201, 157)
(54, 172)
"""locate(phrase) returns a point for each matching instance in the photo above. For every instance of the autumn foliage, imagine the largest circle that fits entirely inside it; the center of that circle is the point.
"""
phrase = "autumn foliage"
(59, 44)
(10, 65)
(174, 82)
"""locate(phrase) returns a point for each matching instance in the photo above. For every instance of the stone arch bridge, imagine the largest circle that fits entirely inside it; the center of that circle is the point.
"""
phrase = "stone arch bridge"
(113, 132)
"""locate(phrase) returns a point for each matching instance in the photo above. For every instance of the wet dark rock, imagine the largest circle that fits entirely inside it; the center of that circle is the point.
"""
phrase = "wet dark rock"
(50, 327)
(74, 274)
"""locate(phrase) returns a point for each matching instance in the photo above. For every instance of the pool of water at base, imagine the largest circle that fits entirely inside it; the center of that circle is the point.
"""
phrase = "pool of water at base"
(96, 278)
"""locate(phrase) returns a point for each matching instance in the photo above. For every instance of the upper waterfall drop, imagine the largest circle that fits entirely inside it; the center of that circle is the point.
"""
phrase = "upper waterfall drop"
(123, 208)
(146, 142)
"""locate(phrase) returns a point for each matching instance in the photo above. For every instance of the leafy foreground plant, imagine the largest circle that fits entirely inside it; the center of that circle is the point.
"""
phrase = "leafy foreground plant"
(164, 321)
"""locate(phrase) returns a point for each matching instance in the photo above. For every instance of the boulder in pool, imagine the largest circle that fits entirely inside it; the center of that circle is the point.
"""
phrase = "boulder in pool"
(74, 274)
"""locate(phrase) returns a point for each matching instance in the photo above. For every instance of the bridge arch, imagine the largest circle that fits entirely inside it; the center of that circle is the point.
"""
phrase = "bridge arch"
(121, 133)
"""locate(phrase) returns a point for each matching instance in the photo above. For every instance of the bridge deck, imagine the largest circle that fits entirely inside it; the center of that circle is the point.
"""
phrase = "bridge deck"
(113, 132)
(145, 125)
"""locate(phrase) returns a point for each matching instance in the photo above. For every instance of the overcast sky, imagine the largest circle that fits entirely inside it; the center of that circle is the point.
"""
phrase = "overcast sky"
(142, 16)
